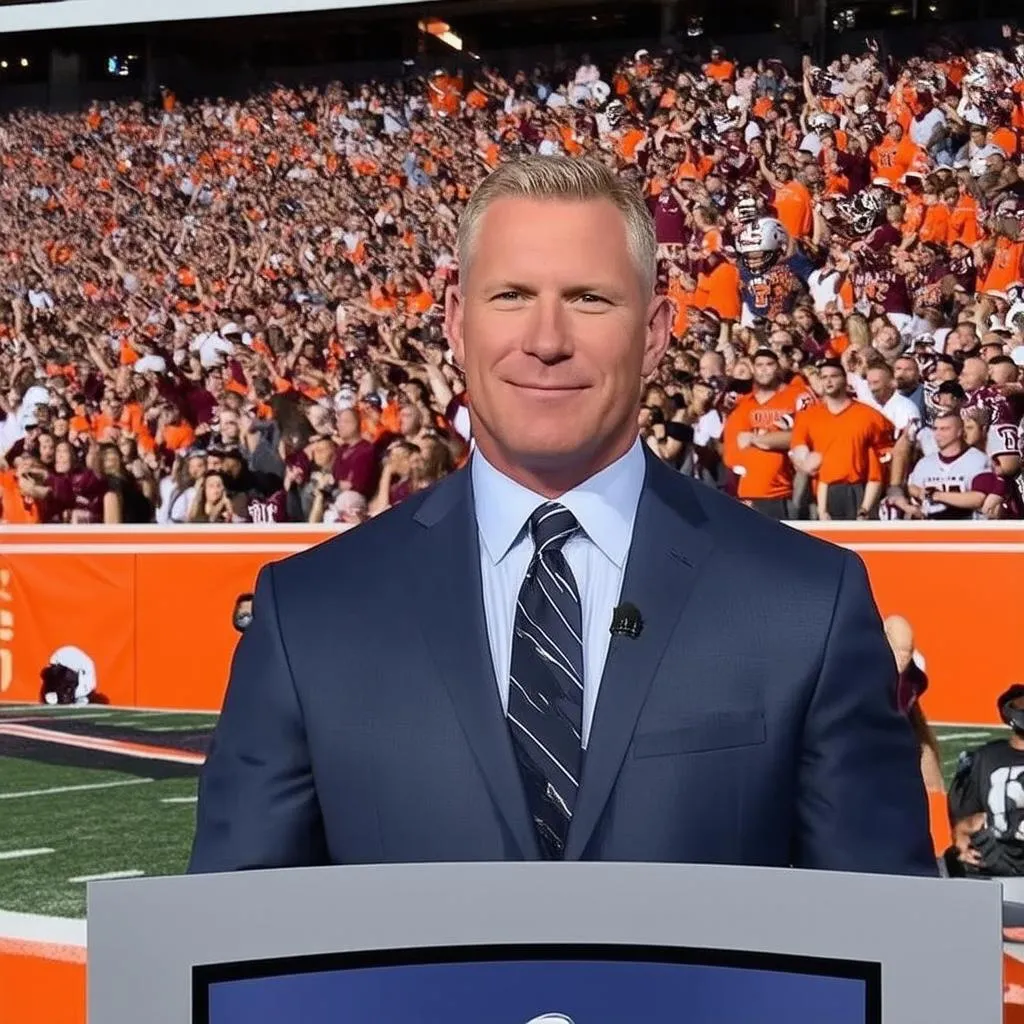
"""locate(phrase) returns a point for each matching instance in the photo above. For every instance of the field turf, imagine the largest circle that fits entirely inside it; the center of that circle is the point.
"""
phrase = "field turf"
(103, 812)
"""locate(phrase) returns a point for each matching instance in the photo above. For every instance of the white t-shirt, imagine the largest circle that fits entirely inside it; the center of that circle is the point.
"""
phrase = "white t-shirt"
(900, 411)
(824, 287)
(707, 429)
(211, 347)
(933, 471)
(921, 129)
(174, 504)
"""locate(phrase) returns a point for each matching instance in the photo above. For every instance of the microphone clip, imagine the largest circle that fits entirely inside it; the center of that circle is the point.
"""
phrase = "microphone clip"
(627, 621)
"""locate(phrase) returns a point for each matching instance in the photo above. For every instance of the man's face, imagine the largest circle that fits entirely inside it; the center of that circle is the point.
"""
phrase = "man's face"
(555, 331)
(880, 384)
(833, 382)
(907, 375)
(949, 430)
(974, 374)
(348, 425)
(712, 364)
(1003, 373)
(766, 372)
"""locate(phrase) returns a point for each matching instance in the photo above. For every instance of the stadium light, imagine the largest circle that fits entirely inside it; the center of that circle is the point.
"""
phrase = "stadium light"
(3, 64)
(24, 62)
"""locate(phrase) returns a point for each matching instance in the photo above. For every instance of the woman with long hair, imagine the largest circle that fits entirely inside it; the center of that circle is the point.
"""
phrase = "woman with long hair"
(210, 502)
(124, 501)
(177, 489)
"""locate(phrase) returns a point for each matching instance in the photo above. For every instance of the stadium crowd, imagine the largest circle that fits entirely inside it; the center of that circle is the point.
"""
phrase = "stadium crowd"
(233, 311)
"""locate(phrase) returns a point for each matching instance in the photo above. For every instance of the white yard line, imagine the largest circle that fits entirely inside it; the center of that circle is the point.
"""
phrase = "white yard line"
(179, 800)
(43, 716)
(16, 854)
(60, 931)
(980, 734)
(107, 876)
(72, 789)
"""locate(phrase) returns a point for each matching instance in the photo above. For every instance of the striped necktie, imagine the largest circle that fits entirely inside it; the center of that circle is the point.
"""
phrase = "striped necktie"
(545, 703)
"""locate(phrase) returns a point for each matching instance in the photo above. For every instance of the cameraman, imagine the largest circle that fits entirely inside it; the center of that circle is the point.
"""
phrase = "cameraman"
(986, 800)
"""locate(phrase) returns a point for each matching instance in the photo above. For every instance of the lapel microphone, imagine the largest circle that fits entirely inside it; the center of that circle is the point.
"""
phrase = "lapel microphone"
(627, 621)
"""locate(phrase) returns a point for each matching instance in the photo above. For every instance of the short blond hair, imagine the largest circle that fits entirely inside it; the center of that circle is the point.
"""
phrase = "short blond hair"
(565, 178)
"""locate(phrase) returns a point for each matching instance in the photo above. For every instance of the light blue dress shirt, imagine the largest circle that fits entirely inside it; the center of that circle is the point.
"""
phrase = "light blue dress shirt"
(605, 507)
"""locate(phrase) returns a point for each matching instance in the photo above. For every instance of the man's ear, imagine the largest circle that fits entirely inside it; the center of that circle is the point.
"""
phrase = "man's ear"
(658, 334)
(453, 323)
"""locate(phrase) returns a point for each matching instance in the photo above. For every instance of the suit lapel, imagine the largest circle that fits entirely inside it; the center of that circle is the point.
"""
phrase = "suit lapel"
(669, 544)
(455, 630)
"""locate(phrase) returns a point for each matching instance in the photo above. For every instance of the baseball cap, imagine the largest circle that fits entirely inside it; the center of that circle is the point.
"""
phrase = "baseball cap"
(345, 399)
(373, 399)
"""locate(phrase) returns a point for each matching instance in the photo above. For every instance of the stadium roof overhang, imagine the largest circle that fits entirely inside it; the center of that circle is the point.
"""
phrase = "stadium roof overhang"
(47, 15)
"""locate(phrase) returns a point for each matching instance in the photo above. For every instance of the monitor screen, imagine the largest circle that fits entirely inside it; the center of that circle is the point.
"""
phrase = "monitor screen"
(539, 984)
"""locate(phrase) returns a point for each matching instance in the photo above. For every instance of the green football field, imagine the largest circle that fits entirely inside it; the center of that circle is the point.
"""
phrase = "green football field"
(61, 824)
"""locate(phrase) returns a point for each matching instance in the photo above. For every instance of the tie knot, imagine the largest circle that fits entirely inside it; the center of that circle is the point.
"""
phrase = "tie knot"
(551, 526)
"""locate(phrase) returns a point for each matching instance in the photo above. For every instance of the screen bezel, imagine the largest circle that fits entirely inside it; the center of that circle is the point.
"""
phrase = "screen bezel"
(206, 975)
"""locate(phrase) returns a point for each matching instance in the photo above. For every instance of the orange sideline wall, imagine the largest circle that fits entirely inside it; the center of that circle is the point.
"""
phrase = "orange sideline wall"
(152, 606)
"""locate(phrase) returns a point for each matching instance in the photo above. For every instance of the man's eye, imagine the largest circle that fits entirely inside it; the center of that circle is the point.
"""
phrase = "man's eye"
(509, 296)
(591, 298)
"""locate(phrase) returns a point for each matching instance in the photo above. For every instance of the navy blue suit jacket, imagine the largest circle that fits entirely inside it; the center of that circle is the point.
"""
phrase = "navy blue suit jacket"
(753, 721)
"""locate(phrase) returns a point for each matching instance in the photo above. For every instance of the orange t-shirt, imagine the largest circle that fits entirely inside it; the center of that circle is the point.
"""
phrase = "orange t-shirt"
(14, 508)
(764, 474)
(891, 159)
(852, 443)
(936, 224)
(963, 222)
(683, 301)
(1007, 266)
(721, 70)
(178, 436)
(795, 209)
(720, 291)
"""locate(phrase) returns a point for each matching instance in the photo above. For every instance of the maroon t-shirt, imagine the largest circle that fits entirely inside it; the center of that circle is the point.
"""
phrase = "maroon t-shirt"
(884, 286)
(399, 491)
(1008, 490)
(358, 464)
(669, 219)
(258, 508)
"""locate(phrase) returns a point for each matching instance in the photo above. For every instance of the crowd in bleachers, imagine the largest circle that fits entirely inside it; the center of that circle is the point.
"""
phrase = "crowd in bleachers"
(232, 311)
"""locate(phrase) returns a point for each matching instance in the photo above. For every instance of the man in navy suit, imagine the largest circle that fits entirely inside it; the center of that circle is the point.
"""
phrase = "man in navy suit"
(444, 682)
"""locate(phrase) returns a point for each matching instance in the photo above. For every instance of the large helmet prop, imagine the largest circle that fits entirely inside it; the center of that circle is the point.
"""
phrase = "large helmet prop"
(761, 244)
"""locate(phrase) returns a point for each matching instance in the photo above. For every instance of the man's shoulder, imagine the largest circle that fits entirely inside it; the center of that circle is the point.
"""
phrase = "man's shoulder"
(375, 547)
(758, 541)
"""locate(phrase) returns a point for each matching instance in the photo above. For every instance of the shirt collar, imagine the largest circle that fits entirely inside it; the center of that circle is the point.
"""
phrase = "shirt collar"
(604, 505)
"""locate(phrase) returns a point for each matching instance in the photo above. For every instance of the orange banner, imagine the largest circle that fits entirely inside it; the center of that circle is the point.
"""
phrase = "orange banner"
(150, 609)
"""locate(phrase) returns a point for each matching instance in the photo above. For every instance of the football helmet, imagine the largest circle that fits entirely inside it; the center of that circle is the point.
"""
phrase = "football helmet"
(1006, 216)
(820, 122)
(761, 244)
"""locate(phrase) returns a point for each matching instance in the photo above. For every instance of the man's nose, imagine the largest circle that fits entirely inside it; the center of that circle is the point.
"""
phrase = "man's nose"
(547, 336)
